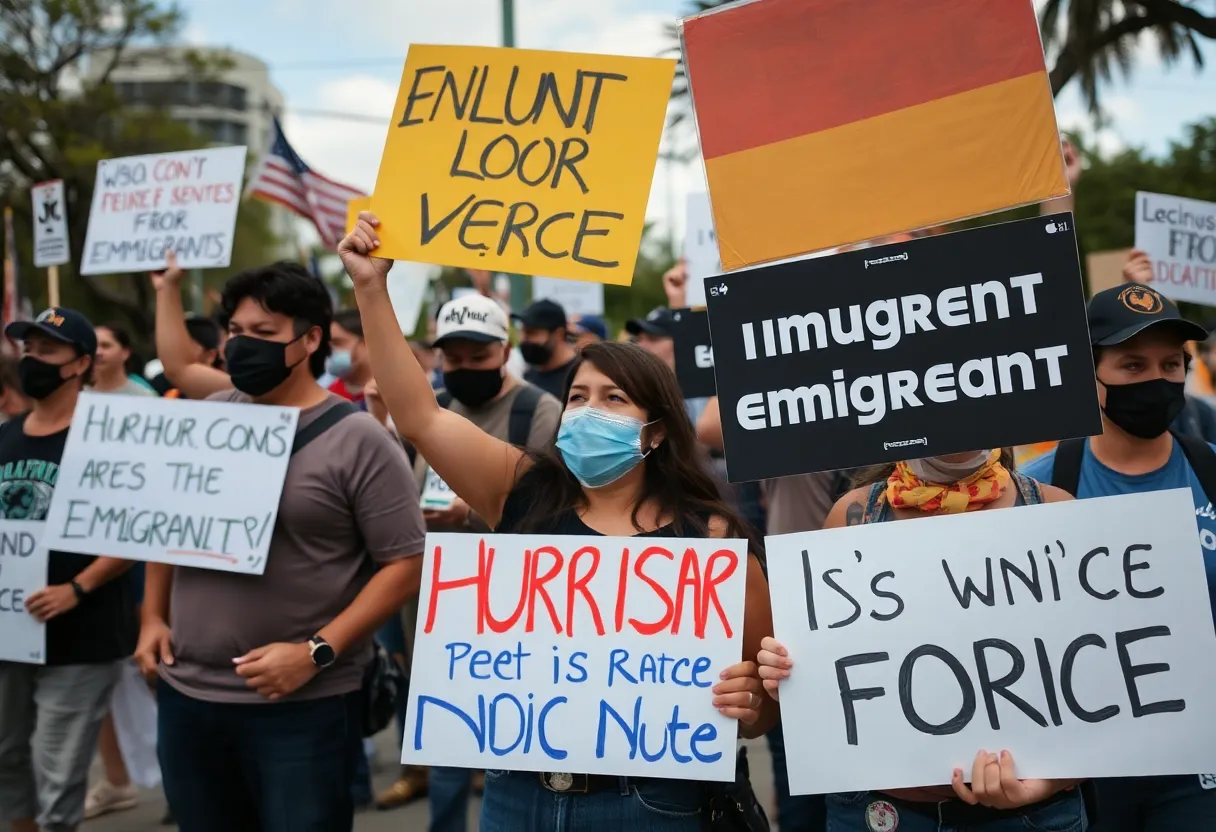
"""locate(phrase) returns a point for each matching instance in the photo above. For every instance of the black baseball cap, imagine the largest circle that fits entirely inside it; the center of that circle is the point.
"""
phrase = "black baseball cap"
(60, 324)
(543, 314)
(1123, 312)
(660, 323)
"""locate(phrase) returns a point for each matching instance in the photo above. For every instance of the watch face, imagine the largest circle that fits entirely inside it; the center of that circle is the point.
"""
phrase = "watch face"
(322, 655)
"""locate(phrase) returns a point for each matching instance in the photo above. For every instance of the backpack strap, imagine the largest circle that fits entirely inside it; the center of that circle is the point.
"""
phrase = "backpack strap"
(321, 424)
(519, 424)
(1203, 462)
(1029, 490)
(1066, 470)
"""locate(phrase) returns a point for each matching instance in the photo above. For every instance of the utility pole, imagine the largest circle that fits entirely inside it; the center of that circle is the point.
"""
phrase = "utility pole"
(518, 281)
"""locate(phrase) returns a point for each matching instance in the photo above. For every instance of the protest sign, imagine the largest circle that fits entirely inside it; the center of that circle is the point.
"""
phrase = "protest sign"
(407, 284)
(436, 495)
(1076, 635)
(700, 248)
(1179, 236)
(694, 353)
(23, 565)
(50, 224)
(875, 118)
(145, 206)
(577, 297)
(521, 161)
(976, 339)
(189, 483)
(586, 654)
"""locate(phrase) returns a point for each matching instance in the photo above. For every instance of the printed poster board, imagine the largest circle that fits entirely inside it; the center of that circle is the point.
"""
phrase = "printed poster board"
(945, 344)
(577, 297)
(586, 654)
(189, 483)
(145, 206)
(824, 123)
(51, 247)
(694, 353)
(1179, 236)
(23, 565)
(1076, 635)
(521, 161)
(700, 248)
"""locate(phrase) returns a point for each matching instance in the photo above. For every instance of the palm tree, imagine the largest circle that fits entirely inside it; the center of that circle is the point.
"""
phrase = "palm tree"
(1086, 39)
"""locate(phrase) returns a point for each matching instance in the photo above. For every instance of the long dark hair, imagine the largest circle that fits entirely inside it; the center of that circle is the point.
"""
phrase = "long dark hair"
(882, 473)
(677, 476)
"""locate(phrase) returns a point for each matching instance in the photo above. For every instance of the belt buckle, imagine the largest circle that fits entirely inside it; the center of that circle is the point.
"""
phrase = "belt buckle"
(561, 782)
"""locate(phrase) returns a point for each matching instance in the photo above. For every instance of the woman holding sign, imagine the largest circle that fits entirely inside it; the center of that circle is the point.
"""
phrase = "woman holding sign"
(627, 467)
(995, 800)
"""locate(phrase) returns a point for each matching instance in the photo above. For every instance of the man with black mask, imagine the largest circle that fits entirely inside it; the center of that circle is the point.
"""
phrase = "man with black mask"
(1139, 340)
(544, 345)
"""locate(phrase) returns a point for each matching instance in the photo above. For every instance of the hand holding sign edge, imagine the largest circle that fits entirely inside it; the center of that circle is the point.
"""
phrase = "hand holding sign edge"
(356, 253)
(774, 665)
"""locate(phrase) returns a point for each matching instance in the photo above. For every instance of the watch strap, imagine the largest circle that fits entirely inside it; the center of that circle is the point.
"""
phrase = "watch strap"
(79, 590)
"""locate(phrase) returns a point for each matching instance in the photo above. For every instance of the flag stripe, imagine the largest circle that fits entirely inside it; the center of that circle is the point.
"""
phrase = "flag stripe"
(1003, 150)
(774, 70)
(285, 196)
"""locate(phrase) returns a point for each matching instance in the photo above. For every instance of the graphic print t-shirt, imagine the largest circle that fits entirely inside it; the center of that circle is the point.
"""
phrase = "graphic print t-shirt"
(1099, 481)
(101, 628)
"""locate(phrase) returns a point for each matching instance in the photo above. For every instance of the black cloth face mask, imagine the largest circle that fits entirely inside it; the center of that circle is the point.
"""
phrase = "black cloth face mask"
(39, 378)
(536, 354)
(257, 365)
(473, 388)
(1145, 409)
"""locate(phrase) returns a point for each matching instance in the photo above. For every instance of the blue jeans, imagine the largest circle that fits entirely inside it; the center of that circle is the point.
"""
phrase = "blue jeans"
(799, 812)
(282, 767)
(516, 800)
(1156, 804)
(448, 798)
(870, 812)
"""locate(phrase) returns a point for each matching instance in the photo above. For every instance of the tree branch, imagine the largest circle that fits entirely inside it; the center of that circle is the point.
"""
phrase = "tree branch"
(1183, 15)
(1068, 63)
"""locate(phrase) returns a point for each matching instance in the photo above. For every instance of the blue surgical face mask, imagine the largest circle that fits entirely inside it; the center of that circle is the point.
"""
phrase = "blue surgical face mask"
(338, 364)
(598, 447)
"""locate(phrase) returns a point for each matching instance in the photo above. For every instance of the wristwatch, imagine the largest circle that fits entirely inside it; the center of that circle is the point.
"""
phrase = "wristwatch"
(322, 654)
(79, 590)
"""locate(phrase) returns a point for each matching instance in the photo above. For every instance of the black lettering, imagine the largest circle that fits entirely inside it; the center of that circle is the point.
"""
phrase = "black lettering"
(568, 162)
(540, 235)
(429, 233)
(469, 222)
(957, 722)
(583, 231)
(1031, 582)
(989, 686)
(1129, 568)
(511, 94)
(1083, 575)
(848, 695)
(476, 114)
(459, 105)
(882, 593)
(1070, 698)
(406, 121)
(455, 169)
(969, 588)
(548, 89)
(512, 227)
(489, 150)
(600, 78)
(1131, 672)
(808, 579)
(527, 151)
(1049, 683)
(844, 593)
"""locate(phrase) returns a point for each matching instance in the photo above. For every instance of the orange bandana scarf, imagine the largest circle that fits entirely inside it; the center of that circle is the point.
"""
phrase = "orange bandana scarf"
(905, 490)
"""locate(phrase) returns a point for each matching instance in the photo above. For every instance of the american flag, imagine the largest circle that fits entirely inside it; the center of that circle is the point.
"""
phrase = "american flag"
(283, 178)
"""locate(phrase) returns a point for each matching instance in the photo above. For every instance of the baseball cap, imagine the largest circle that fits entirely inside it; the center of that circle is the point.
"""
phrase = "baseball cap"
(543, 314)
(472, 317)
(593, 324)
(659, 323)
(61, 324)
(1124, 311)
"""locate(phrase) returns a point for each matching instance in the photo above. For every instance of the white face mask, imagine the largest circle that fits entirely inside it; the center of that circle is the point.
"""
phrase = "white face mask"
(936, 470)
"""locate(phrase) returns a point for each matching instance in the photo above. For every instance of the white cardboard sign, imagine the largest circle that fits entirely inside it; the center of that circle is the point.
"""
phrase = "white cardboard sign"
(577, 297)
(1179, 236)
(407, 284)
(581, 654)
(23, 564)
(701, 257)
(189, 483)
(51, 246)
(1076, 635)
(143, 206)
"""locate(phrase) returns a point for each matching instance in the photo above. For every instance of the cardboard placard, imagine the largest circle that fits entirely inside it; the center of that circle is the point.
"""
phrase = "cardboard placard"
(522, 161)
(51, 247)
(1179, 236)
(694, 353)
(1076, 635)
(976, 339)
(577, 297)
(23, 565)
(145, 206)
(700, 248)
(586, 654)
(825, 123)
(189, 483)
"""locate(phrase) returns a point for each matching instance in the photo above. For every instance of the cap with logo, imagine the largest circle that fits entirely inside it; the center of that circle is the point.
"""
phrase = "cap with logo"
(660, 323)
(472, 318)
(1124, 311)
(59, 324)
(543, 314)
(592, 324)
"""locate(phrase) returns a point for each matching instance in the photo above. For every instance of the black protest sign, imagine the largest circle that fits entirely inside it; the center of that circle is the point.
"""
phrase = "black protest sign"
(694, 354)
(945, 344)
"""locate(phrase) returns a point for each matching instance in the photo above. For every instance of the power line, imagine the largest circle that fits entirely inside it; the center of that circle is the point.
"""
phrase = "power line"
(334, 114)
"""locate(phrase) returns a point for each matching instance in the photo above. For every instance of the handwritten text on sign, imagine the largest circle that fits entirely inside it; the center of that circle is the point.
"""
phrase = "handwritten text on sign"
(595, 655)
(1179, 236)
(145, 206)
(23, 564)
(1076, 635)
(521, 161)
(187, 483)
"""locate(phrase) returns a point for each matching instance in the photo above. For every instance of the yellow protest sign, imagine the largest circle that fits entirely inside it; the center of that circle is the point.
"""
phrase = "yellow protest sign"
(522, 161)
(353, 207)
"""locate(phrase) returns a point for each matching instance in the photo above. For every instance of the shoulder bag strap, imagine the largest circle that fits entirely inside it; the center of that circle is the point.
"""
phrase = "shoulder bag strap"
(1203, 463)
(321, 424)
(519, 424)
(1066, 470)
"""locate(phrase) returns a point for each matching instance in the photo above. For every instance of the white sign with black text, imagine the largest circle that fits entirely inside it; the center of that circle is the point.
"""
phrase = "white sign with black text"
(23, 565)
(189, 483)
(576, 297)
(1077, 635)
(51, 246)
(701, 258)
(1179, 236)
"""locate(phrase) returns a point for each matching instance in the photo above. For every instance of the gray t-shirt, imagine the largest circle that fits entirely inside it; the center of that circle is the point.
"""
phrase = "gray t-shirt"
(348, 495)
(130, 387)
(797, 504)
